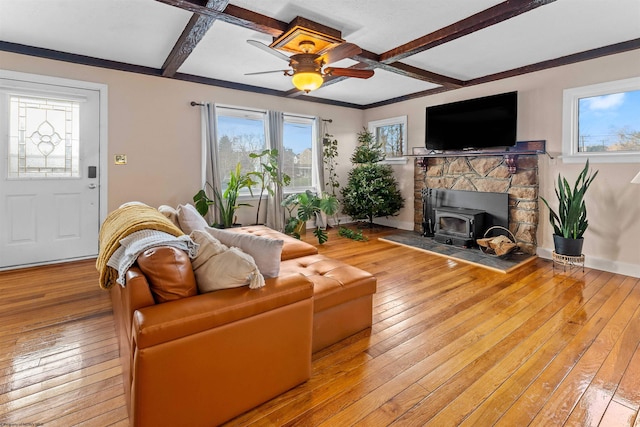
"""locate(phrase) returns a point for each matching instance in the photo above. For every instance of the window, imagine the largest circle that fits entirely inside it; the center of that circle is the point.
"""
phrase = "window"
(298, 140)
(240, 132)
(393, 135)
(43, 138)
(602, 122)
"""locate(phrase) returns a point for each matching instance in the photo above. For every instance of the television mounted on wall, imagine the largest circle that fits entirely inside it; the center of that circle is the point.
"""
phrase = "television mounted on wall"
(474, 124)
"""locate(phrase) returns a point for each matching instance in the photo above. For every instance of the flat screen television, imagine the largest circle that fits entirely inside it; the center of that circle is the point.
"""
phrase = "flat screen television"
(474, 124)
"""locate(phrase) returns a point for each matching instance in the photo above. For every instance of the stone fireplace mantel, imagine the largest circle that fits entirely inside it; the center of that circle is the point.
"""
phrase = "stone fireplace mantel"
(510, 155)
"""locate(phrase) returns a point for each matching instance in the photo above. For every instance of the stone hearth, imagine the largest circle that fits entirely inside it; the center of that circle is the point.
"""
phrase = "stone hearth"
(486, 174)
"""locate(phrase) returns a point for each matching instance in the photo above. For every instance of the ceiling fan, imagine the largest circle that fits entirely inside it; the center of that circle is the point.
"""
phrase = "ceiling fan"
(307, 72)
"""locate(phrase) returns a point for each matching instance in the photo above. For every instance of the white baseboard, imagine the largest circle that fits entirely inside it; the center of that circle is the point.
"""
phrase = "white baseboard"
(391, 222)
(624, 268)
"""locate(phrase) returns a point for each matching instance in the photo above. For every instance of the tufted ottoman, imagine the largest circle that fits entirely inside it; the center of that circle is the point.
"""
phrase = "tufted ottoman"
(342, 297)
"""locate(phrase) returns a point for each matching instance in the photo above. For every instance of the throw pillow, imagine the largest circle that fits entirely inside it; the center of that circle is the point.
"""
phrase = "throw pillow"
(190, 219)
(169, 273)
(219, 267)
(265, 251)
(171, 213)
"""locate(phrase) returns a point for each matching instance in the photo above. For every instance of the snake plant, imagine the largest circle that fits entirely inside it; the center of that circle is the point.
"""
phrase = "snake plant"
(571, 219)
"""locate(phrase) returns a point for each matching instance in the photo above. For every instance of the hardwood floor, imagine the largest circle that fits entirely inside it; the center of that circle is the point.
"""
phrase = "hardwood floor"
(451, 344)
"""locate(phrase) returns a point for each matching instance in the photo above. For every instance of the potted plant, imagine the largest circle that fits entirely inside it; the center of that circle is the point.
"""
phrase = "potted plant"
(268, 174)
(329, 155)
(227, 202)
(309, 207)
(570, 222)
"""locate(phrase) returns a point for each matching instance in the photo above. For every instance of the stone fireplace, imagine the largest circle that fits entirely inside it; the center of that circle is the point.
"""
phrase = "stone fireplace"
(485, 174)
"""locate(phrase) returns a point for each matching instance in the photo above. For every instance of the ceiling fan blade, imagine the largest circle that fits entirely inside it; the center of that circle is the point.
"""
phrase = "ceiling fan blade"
(268, 72)
(345, 50)
(268, 49)
(349, 72)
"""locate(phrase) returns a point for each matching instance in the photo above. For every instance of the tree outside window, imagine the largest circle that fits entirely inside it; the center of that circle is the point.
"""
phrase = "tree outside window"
(241, 132)
(299, 137)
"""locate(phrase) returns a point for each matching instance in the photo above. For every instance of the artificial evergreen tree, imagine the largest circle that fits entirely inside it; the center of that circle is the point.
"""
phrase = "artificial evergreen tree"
(371, 190)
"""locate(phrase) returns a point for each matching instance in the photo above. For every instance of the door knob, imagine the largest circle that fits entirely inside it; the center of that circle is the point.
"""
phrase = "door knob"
(92, 186)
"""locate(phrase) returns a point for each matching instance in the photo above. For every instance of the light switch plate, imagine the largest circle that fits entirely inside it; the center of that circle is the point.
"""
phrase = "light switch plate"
(120, 159)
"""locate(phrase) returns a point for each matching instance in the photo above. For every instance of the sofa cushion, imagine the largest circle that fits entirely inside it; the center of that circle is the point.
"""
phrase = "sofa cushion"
(334, 282)
(292, 247)
(219, 267)
(190, 219)
(171, 213)
(169, 273)
(265, 251)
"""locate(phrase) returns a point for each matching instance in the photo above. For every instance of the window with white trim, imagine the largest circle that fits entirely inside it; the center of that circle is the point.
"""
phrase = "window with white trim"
(241, 132)
(601, 122)
(299, 139)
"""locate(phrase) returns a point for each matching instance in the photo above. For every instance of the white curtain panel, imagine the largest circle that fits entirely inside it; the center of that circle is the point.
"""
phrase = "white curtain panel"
(210, 177)
(275, 211)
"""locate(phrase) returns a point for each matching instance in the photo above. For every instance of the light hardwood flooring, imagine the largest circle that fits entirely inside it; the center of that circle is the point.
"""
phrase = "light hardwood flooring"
(451, 344)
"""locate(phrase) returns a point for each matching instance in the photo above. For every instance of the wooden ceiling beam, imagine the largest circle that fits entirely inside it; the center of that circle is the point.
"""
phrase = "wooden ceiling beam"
(245, 18)
(496, 14)
(543, 65)
(558, 62)
(234, 15)
(193, 32)
(410, 71)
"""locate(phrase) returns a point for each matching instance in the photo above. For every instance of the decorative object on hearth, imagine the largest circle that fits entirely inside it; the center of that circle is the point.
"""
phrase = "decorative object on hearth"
(499, 245)
(372, 190)
(311, 50)
(570, 222)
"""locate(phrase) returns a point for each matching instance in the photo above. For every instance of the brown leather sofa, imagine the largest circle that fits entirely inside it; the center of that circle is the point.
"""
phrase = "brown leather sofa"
(206, 358)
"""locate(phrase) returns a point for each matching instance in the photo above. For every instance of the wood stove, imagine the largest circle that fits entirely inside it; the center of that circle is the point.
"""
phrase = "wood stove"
(458, 226)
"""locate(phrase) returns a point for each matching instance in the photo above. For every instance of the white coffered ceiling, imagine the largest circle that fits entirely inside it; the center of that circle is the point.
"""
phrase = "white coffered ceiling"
(142, 33)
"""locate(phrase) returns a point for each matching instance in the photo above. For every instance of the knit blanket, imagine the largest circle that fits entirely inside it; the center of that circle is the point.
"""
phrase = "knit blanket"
(136, 243)
(119, 224)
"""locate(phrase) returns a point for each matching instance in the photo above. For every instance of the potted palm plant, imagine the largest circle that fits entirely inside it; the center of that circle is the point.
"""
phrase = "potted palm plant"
(309, 207)
(227, 202)
(268, 175)
(570, 222)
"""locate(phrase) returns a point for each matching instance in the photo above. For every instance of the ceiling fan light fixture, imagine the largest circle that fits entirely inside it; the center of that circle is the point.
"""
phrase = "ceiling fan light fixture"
(307, 80)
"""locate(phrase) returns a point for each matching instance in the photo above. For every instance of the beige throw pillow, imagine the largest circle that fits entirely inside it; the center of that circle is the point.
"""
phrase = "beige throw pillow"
(265, 251)
(190, 219)
(171, 213)
(219, 267)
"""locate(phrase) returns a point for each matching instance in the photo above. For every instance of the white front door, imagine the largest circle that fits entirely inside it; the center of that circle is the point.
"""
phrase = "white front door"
(49, 178)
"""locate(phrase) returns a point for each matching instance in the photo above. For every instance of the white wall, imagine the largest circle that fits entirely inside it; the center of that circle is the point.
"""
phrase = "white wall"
(611, 242)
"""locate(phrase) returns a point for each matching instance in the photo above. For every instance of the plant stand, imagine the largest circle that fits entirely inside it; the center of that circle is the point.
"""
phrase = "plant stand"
(566, 260)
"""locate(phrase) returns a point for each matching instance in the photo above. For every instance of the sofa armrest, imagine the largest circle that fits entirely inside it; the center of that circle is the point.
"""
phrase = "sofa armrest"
(176, 319)
(137, 291)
